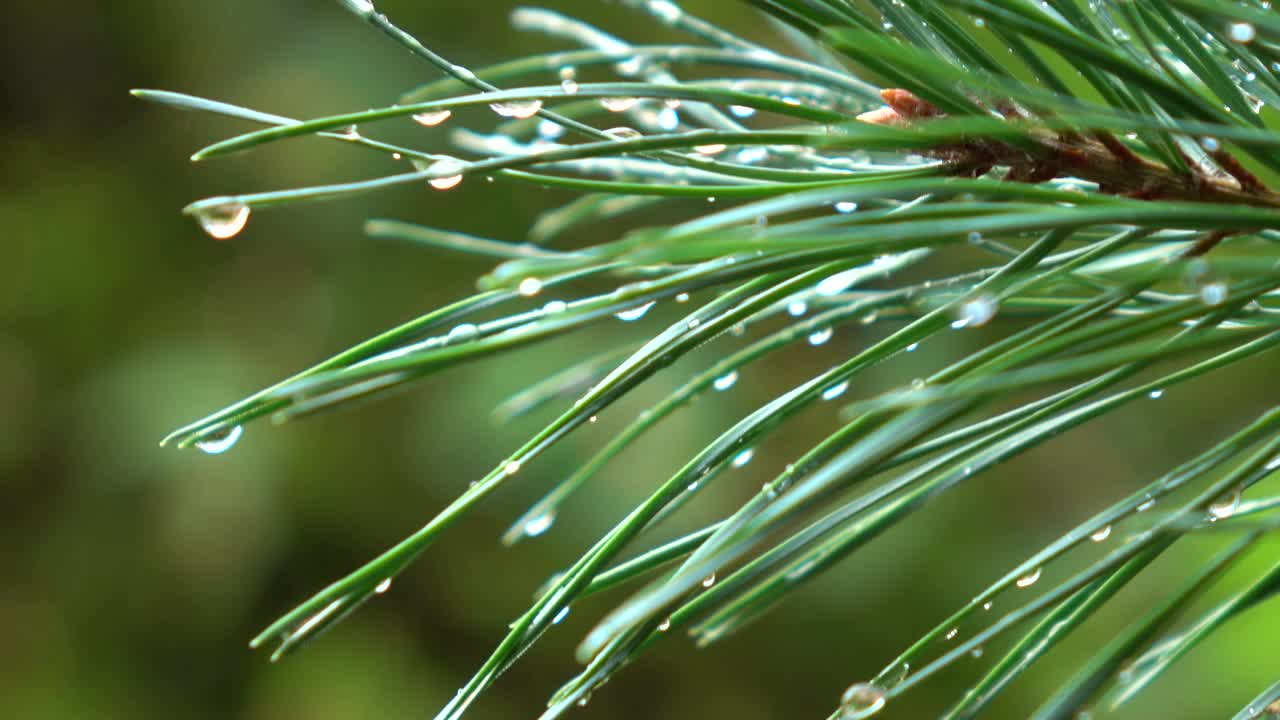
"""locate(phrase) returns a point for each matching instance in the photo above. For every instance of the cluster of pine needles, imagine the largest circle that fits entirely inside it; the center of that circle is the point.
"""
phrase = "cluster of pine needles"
(1112, 163)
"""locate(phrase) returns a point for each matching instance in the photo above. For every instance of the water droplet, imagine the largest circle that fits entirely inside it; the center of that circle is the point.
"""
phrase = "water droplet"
(634, 313)
(741, 111)
(618, 104)
(726, 381)
(1210, 144)
(712, 149)
(1156, 394)
(975, 653)
(555, 306)
(1101, 534)
(223, 220)
(1225, 506)
(743, 457)
(709, 581)
(797, 308)
(519, 109)
(951, 634)
(1150, 503)
(630, 67)
(682, 298)
(1029, 579)
(1242, 32)
(432, 118)
(917, 384)
(569, 86)
(976, 312)
(623, 133)
(449, 169)
(462, 333)
(845, 207)
(540, 524)
(861, 700)
(221, 441)
(835, 391)
(974, 237)
(668, 119)
(564, 612)
(838, 283)
(512, 468)
(529, 287)
(987, 605)
(869, 318)
(1213, 293)
(818, 337)
(913, 347)
(383, 586)
(550, 129)
(665, 625)
(750, 155)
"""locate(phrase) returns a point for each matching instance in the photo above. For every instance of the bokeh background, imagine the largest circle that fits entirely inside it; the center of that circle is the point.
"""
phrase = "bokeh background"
(131, 576)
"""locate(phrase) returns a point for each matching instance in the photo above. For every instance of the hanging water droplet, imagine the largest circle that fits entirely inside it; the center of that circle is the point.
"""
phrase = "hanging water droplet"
(1101, 534)
(223, 220)
(987, 605)
(917, 384)
(668, 119)
(1213, 293)
(539, 524)
(564, 612)
(1242, 32)
(1156, 394)
(913, 347)
(1029, 579)
(726, 381)
(383, 586)
(665, 625)
(1150, 503)
(846, 207)
(976, 312)
(835, 391)
(519, 109)
(712, 149)
(741, 111)
(975, 653)
(462, 333)
(449, 172)
(682, 298)
(709, 580)
(432, 118)
(821, 336)
(951, 634)
(555, 306)
(623, 133)
(838, 283)
(630, 67)
(221, 441)
(529, 287)
(621, 104)
(861, 700)
(634, 313)
(796, 308)
(750, 155)
(1225, 506)
(1210, 144)
(743, 457)
(974, 237)
(512, 468)
(550, 129)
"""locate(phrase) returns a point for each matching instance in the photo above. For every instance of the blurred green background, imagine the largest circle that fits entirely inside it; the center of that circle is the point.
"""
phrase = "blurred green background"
(134, 575)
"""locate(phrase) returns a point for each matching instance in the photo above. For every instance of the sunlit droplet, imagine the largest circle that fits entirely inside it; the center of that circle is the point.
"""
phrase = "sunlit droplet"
(835, 391)
(550, 129)
(741, 111)
(1210, 144)
(682, 298)
(564, 612)
(1150, 503)
(846, 207)
(913, 347)
(1101, 534)
(665, 625)
(634, 313)
(987, 605)
(709, 580)
(383, 586)
(726, 381)
(449, 171)
(512, 468)
(796, 308)
(1225, 506)
(220, 441)
(821, 336)
(519, 109)
(1029, 579)
(976, 312)
(743, 457)
(1213, 293)
(462, 333)
(539, 525)
(618, 104)
(668, 119)
(223, 220)
(951, 634)
(431, 119)
(712, 149)
(529, 287)
(555, 306)
(1156, 394)
(861, 700)
(1242, 32)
